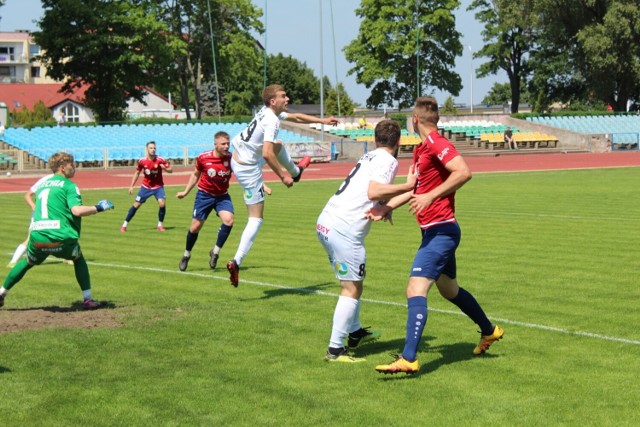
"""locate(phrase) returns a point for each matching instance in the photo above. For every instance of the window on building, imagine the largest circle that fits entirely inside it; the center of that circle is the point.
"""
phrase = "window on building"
(34, 49)
(6, 54)
(35, 72)
(71, 112)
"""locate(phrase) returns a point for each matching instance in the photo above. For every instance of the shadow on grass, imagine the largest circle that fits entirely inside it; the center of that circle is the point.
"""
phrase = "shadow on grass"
(449, 353)
(76, 306)
(284, 291)
(4, 370)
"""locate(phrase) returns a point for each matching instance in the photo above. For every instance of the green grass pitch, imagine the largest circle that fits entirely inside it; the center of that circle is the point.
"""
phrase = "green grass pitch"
(551, 256)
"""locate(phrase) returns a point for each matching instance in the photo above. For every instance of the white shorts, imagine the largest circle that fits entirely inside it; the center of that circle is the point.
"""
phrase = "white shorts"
(347, 254)
(250, 178)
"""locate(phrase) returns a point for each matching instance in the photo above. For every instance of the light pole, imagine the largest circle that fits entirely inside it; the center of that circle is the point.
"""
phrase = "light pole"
(471, 77)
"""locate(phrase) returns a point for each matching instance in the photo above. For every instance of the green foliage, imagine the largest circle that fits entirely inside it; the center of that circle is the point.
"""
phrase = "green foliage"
(588, 53)
(347, 105)
(41, 112)
(449, 107)
(509, 36)
(384, 53)
(114, 47)
(498, 94)
(186, 348)
(40, 116)
(401, 118)
(302, 86)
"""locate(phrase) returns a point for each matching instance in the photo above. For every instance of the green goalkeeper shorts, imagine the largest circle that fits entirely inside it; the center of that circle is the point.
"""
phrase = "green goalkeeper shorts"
(40, 248)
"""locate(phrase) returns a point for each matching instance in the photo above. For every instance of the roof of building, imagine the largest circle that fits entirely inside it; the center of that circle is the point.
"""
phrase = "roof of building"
(15, 96)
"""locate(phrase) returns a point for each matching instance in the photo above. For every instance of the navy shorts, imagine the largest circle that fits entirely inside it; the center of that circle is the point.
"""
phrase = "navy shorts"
(437, 252)
(205, 203)
(145, 193)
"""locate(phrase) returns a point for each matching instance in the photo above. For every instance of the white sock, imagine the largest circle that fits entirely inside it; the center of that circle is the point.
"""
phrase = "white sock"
(355, 323)
(285, 160)
(86, 294)
(248, 237)
(20, 250)
(3, 291)
(159, 223)
(187, 253)
(346, 309)
(124, 224)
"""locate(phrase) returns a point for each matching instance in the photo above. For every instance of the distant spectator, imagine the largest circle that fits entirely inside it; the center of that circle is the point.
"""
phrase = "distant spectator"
(362, 122)
(61, 119)
(509, 139)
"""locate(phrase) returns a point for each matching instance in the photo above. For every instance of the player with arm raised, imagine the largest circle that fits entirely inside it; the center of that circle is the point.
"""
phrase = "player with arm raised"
(57, 220)
(258, 142)
(212, 175)
(152, 184)
(342, 228)
(441, 171)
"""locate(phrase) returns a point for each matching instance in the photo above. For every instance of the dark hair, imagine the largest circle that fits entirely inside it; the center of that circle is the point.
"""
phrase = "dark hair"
(387, 133)
(269, 92)
(59, 159)
(150, 142)
(220, 134)
(427, 110)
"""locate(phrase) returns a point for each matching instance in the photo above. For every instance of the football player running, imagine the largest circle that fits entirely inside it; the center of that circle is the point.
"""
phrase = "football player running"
(212, 175)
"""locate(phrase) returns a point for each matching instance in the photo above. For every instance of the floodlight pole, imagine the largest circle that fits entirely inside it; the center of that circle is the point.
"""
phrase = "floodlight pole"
(471, 78)
(321, 78)
(213, 57)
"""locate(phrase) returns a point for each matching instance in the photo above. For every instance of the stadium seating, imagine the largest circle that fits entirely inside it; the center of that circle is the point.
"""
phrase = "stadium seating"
(623, 129)
(125, 143)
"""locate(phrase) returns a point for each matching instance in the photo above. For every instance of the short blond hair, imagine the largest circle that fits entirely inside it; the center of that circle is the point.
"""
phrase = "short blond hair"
(58, 160)
(426, 109)
(270, 92)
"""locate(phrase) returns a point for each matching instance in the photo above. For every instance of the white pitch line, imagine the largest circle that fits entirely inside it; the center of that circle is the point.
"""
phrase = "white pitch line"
(373, 301)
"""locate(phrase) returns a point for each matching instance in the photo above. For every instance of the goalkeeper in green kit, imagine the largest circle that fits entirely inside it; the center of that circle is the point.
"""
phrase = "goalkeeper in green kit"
(56, 227)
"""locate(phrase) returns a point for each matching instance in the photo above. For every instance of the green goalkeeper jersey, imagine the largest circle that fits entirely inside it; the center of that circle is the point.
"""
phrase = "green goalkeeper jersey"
(52, 217)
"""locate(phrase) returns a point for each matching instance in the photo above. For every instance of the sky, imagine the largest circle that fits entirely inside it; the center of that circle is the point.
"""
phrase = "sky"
(293, 28)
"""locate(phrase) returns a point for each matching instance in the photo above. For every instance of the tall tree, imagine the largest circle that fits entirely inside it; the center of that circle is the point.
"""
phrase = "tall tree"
(237, 58)
(405, 47)
(598, 42)
(301, 84)
(113, 47)
(347, 105)
(509, 35)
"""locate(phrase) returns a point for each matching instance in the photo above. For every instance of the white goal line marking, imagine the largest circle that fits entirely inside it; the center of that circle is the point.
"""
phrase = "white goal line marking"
(373, 301)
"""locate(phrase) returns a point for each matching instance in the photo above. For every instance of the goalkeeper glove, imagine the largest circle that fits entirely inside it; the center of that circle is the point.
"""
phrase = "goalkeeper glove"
(104, 205)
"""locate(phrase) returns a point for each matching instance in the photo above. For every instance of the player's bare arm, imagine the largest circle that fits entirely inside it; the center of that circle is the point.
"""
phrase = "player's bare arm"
(193, 179)
(269, 155)
(133, 181)
(305, 118)
(28, 197)
(460, 174)
(378, 191)
(167, 167)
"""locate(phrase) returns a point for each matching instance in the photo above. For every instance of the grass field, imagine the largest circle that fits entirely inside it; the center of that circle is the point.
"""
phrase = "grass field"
(551, 256)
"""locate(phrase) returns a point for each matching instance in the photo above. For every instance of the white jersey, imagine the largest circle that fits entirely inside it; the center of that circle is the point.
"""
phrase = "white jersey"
(264, 127)
(348, 205)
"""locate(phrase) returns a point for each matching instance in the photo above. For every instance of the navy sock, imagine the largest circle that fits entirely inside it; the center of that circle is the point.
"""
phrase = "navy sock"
(223, 234)
(191, 240)
(161, 213)
(416, 320)
(469, 306)
(131, 213)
